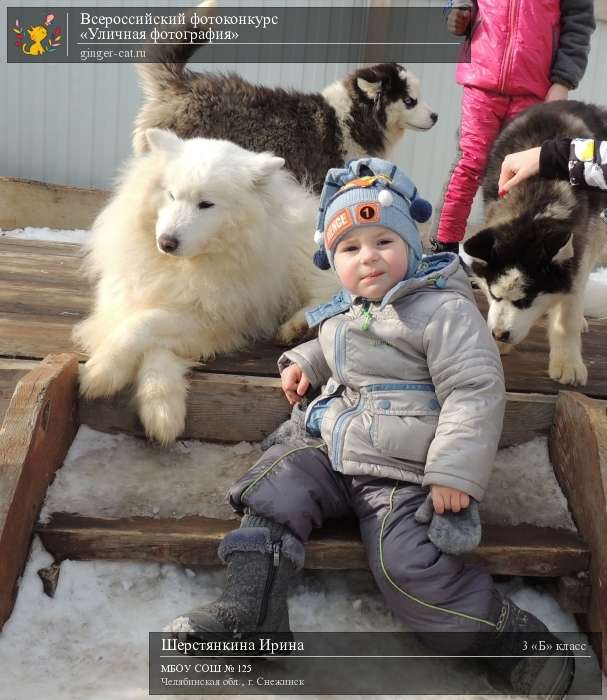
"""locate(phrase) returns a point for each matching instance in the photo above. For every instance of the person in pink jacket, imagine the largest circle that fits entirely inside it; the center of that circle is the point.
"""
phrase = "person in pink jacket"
(521, 52)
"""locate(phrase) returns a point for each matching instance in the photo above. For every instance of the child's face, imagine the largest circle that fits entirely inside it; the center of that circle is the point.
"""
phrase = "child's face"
(371, 260)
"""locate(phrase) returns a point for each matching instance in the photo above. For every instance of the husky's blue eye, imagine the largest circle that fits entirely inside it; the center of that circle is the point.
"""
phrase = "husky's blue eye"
(409, 102)
(205, 205)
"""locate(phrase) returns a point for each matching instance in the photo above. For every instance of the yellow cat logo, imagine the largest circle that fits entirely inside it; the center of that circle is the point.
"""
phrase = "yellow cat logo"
(37, 41)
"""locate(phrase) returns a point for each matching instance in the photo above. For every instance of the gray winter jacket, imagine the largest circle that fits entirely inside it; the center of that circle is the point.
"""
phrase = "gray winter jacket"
(413, 385)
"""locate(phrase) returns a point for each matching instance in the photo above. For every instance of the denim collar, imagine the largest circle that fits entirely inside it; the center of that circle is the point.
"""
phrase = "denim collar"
(433, 269)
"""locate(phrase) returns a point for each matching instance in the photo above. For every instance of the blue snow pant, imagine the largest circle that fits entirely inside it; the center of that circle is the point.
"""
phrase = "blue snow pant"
(428, 590)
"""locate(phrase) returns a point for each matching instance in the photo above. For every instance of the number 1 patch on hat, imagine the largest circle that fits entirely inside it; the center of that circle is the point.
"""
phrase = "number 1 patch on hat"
(367, 213)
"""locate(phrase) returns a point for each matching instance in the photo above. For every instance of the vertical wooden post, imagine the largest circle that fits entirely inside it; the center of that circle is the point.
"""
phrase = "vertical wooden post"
(578, 452)
(38, 428)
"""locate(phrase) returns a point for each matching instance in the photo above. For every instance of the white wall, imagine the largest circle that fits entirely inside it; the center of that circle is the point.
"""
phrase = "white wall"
(70, 124)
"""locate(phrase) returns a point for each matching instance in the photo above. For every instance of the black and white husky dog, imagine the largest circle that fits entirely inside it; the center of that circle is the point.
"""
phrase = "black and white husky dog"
(541, 241)
(366, 113)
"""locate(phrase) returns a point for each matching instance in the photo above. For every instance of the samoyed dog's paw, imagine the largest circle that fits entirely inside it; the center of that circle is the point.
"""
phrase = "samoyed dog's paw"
(568, 370)
(584, 325)
(163, 418)
(293, 330)
(104, 375)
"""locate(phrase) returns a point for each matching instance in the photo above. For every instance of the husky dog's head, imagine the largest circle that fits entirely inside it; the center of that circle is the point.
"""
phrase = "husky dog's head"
(208, 189)
(394, 92)
(524, 259)
(375, 105)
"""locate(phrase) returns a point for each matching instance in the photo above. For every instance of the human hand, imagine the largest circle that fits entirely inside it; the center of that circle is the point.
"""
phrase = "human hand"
(557, 92)
(294, 383)
(445, 498)
(458, 21)
(518, 167)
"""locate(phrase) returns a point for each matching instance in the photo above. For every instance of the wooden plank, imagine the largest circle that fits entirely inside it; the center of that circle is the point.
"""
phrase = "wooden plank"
(526, 367)
(11, 372)
(232, 408)
(40, 204)
(25, 337)
(527, 416)
(222, 408)
(45, 249)
(36, 317)
(523, 550)
(18, 298)
(600, 10)
(578, 452)
(38, 428)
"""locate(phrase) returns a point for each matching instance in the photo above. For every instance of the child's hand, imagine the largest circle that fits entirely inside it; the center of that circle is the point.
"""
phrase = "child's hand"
(294, 383)
(518, 167)
(557, 92)
(445, 498)
(458, 21)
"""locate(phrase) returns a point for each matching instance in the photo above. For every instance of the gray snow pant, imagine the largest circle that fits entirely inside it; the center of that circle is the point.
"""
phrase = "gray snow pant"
(428, 590)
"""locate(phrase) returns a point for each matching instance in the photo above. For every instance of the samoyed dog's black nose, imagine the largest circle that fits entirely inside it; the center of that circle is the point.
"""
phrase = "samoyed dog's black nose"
(168, 244)
(502, 336)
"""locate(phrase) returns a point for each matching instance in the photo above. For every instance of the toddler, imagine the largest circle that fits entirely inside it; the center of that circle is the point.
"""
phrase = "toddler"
(408, 420)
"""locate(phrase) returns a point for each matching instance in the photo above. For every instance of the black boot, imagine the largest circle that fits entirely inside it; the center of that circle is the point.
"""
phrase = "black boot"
(261, 562)
(437, 246)
(548, 676)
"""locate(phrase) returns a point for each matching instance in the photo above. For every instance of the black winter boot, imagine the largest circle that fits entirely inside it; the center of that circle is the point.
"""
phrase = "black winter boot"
(437, 246)
(547, 676)
(261, 559)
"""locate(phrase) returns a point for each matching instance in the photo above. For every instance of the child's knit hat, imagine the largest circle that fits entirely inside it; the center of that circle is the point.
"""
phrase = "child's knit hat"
(369, 192)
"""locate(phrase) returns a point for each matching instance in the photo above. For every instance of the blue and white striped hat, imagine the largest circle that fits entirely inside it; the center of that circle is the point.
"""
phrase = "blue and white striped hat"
(369, 192)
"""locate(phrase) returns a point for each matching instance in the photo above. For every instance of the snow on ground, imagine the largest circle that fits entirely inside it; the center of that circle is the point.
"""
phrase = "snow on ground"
(47, 234)
(91, 641)
(119, 475)
(596, 294)
(129, 477)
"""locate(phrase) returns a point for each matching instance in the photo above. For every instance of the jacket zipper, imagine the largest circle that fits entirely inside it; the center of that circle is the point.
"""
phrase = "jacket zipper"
(338, 431)
(508, 53)
(339, 351)
(269, 581)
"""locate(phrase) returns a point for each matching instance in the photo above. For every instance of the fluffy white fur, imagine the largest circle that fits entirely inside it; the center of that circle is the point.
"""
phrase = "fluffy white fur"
(242, 267)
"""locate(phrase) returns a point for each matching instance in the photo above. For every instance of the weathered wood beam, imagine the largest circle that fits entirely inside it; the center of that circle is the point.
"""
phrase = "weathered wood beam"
(522, 550)
(38, 428)
(40, 204)
(232, 408)
(578, 452)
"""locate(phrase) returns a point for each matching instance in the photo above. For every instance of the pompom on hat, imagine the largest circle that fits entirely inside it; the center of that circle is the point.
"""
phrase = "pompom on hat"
(369, 192)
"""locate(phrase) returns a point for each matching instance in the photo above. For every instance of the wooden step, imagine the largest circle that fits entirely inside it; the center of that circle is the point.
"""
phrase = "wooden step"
(233, 408)
(523, 550)
(48, 294)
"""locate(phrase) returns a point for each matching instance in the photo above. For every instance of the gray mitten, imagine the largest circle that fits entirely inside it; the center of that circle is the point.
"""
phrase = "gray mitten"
(292, 431)
(452, 533)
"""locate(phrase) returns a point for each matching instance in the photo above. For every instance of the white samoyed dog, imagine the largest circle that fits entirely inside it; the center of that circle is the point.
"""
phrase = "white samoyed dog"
(204, 248)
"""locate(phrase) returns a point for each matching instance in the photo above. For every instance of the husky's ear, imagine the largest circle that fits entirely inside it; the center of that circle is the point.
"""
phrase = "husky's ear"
(371, 90)
(162, 140)
(264, 165)
(479, 247)
(558, 244)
